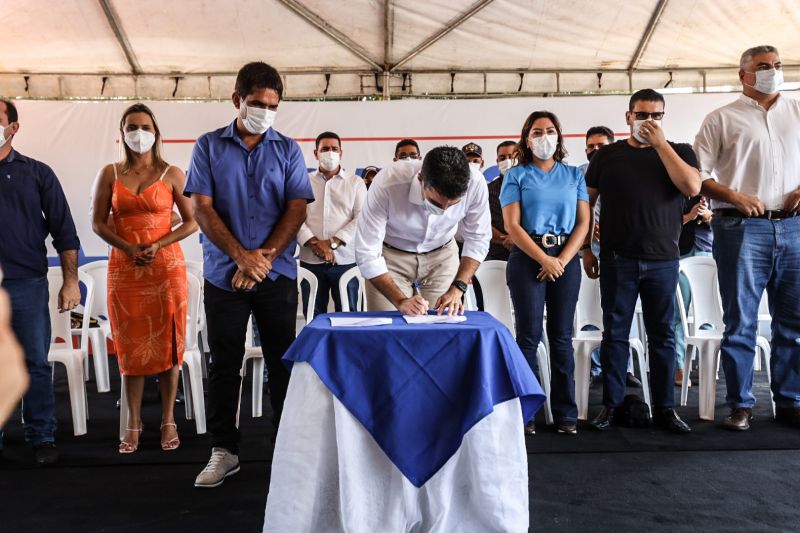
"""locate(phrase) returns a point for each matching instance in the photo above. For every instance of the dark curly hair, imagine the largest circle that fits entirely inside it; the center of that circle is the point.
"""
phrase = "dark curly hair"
(446, 169)
(258, 75)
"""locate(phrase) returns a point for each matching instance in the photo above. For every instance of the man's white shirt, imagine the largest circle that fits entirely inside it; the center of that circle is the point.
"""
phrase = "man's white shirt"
(394, 214)
(333, 213)
(753, 150)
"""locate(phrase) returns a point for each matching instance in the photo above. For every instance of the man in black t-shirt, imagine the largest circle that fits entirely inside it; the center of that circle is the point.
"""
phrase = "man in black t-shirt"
(643, 181)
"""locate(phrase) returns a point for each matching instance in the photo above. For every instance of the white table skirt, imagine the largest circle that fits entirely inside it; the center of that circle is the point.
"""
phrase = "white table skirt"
(329, 475)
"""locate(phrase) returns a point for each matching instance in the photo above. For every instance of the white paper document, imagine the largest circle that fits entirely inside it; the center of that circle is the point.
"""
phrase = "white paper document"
(434, 319)
(355, 321)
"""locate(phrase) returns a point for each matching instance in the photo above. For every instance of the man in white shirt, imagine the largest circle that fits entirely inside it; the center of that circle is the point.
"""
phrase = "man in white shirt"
(404, 243)
(752, 147)
(328, 232)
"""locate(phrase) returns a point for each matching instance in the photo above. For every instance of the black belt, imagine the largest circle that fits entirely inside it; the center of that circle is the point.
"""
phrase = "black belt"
(548, 240)
(416, 253)
(777, 214)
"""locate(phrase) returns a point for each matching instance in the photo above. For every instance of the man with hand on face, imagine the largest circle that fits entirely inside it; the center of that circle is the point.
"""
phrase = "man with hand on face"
(404, 242)
(249, 189)
(330, 227)
(33, 206)
(752, 147)
(644, 181)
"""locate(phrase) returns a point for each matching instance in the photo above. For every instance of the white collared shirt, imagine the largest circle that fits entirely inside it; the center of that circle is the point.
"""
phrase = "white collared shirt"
(394, 214)
(753, 150)
(333, 213)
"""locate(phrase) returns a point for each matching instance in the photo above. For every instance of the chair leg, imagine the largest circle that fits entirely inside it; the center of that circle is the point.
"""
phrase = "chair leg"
(544, 378)
(100, 356)
(77, 395)
(709, 360)
(187, 392)
(583, 352)
(198, 403)
(258, 386)
(688, 357)
(636, 346)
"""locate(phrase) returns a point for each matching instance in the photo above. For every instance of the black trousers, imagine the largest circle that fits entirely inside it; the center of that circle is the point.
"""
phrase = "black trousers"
(274, 306)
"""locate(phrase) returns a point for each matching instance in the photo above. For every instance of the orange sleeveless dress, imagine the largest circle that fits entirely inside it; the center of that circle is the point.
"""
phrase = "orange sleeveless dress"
(146, 304)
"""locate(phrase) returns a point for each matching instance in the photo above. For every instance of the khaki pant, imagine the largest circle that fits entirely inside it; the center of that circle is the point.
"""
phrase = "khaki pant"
(435, 272)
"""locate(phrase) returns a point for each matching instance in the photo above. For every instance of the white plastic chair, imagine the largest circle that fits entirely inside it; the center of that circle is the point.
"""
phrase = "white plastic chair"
(763, 329)
(195, 406)
(589, 313)
(360, 304)
(99, 336)
(61, 351)
(254, 352)
(706, 308)
(196, 268)
(95, 335)
(497, 302)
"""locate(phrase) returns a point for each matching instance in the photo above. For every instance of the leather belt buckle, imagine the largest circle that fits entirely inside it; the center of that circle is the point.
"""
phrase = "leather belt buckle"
(549, 240)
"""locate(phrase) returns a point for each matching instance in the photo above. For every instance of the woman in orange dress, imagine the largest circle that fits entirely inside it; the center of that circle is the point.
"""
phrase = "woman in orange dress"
(147, 289)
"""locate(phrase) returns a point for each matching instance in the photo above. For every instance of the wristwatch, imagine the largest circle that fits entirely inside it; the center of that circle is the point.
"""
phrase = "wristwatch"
(460, 285)
(334, 244)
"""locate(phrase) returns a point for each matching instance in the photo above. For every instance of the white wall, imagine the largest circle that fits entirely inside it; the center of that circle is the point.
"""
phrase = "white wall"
(78, 138)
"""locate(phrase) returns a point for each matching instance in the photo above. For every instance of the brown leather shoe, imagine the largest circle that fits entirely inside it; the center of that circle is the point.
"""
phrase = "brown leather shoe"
(679, 377)
(739, 419)
(788, 415)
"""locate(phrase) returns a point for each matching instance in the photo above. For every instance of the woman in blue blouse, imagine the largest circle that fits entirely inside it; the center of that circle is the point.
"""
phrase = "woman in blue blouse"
(546, 212)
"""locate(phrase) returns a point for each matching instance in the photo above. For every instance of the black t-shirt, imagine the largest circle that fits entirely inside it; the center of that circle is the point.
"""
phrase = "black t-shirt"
(641, 210)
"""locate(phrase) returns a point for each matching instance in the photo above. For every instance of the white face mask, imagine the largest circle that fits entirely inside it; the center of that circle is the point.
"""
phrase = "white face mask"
(504, 165)
(3, 139)
(140, 141)
(257, 120)
(329, 160)
(768, 81)
(637, 126)
(430, 208)
(543, 147)
(476, 167)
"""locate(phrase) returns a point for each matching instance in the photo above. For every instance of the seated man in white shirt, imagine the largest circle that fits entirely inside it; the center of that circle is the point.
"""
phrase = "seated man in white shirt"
(330, 226)
(404, 242)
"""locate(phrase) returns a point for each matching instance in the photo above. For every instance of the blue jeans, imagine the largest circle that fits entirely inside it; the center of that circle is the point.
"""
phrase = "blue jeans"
(30, 320)
(529, 296)
(751, 255)
(328, 281)
(622, 279)
(686, 294)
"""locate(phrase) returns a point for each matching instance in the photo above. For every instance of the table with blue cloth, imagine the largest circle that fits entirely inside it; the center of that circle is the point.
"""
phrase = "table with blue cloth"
(403, 427)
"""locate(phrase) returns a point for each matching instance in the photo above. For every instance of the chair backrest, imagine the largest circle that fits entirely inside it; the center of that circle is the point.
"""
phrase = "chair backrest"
(470, 299)
(706, 304)
(88, 304)
(305, 275)
(491, 276)
(192, 310)
(588, 312)
(196, 268)
(60, 326)
(344, 281)
(98, 270)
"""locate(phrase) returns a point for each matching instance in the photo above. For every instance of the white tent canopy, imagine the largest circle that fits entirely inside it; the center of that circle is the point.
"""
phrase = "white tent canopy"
(192, 49)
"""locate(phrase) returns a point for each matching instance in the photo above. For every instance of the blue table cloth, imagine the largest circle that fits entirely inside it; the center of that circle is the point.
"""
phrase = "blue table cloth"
(417, 389)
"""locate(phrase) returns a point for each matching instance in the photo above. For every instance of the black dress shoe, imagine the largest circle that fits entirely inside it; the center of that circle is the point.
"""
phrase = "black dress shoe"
(603, 419)
(739, 419)
(632, 381)
(530, 428)
(788, 415)
(669, 420)
(46, 453)
(568, 428)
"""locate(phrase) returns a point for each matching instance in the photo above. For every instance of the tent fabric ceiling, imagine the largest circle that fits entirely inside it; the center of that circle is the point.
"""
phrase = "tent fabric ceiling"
(191, 49)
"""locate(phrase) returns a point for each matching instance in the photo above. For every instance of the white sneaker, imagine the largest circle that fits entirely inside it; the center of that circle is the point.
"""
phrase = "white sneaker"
(221, 465)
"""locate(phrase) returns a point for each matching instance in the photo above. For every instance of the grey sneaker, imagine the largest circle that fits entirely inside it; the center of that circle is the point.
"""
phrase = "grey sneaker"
(221, 465)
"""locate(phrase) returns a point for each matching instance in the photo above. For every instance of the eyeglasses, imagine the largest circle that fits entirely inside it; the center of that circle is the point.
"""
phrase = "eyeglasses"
(404, 155)
(642, 115)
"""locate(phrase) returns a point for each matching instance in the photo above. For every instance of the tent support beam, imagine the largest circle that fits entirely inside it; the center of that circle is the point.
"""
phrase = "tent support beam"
(450, 26)
(122, 39)
(318, 22)
(648, 34)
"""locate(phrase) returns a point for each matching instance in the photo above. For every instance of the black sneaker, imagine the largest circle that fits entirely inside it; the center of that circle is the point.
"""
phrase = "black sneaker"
(46, 453)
